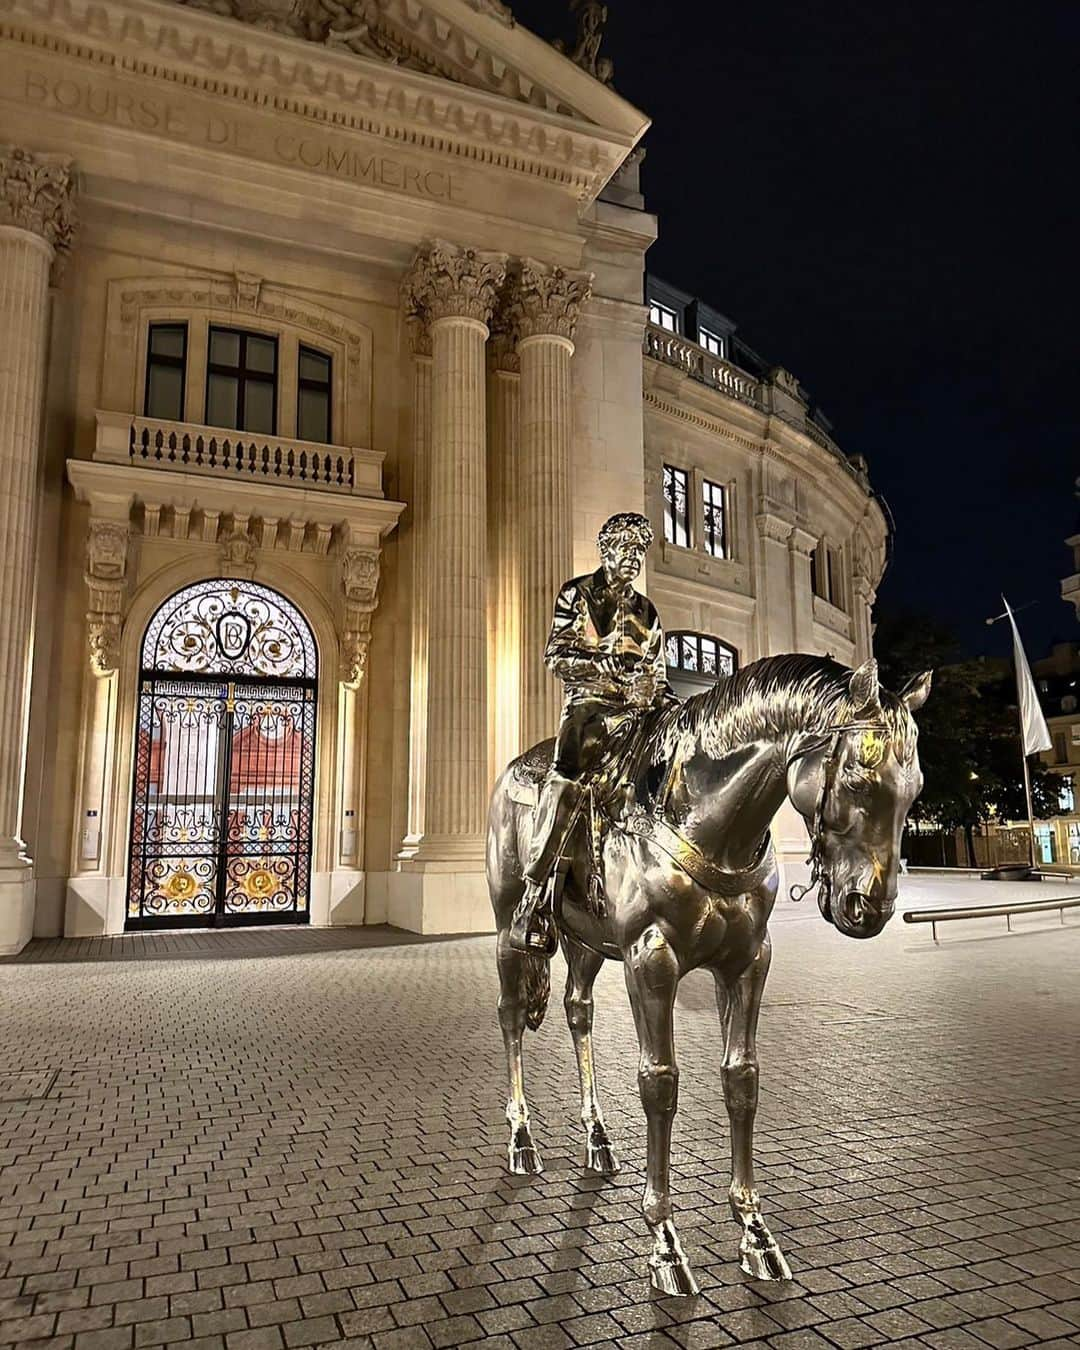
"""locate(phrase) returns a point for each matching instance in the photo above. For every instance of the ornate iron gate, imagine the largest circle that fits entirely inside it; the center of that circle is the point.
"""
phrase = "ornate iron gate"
(224, 761)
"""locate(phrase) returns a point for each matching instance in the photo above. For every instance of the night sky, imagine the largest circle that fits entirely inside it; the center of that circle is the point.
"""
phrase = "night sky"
(883, 197)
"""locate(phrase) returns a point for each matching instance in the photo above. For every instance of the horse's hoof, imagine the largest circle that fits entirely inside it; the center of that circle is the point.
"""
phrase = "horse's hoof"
(601, 1158)
(764, 1263)
(599, 1155)
(525, 1162)
(672, 1277)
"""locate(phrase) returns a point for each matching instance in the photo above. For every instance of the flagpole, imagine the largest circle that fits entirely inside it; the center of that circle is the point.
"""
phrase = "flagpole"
(1027, 795)
(1034, 733)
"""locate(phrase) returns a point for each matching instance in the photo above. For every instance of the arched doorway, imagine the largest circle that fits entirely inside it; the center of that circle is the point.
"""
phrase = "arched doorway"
(221, 824)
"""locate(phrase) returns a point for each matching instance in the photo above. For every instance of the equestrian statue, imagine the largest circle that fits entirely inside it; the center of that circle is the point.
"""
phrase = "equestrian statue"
(641, 835)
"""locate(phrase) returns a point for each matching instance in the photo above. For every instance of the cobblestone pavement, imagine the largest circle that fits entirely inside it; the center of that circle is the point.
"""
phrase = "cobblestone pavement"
(295, 1138)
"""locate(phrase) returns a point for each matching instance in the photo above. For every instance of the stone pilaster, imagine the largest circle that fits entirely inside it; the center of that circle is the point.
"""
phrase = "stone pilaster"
(862, 613)
(452, 292)
(773, 610)
(800, 546)
(545, 305)
(36, 223)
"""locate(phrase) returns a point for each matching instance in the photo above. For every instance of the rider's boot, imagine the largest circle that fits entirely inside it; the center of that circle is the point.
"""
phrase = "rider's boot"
(532, 928)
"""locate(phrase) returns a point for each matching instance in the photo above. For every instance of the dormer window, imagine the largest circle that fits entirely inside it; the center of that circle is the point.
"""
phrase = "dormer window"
(713, 343)
(663, 317)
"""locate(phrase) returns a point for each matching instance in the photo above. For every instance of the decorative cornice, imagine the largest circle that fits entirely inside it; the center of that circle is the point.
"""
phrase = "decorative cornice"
(546, 301)
(447, 282)
(37, 193)
(480, 107)
(773, 527)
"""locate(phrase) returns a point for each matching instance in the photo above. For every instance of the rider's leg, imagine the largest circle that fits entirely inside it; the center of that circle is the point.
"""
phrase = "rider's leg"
(578, 746)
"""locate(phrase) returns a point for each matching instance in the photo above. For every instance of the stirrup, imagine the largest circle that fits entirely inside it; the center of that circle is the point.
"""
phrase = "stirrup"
(532, 928)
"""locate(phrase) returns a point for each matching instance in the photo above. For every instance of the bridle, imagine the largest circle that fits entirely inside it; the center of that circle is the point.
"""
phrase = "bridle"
(831, 736)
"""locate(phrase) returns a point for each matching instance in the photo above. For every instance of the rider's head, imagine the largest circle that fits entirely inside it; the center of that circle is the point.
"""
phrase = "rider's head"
(624, 540)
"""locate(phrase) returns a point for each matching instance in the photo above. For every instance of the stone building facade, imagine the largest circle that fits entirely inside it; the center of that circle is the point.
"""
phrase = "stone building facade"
(324, 356)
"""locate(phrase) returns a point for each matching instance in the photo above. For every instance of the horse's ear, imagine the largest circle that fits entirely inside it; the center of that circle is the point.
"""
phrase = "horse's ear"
(864, 690)
(917, 690)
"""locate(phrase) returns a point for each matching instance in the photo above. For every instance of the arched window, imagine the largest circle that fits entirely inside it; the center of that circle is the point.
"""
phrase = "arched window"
(224, 761)
(695, 661)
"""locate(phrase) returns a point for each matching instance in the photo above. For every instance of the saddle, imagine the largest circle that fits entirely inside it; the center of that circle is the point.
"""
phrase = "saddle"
(627, 793)
(625, 772)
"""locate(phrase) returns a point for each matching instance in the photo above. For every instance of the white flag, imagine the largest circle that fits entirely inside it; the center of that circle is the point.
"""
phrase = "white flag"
(1033, 723)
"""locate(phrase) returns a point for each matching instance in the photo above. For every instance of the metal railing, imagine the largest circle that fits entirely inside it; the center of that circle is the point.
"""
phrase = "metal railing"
(935, 916)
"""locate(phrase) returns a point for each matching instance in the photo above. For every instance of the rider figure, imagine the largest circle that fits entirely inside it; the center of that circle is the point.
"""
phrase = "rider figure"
(607, 647)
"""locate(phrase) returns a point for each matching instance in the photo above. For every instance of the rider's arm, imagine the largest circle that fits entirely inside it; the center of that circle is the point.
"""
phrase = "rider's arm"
(570, 654)
(655, 660)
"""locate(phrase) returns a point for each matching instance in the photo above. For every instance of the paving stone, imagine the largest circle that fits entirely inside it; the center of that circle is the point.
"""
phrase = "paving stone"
(206, 1171)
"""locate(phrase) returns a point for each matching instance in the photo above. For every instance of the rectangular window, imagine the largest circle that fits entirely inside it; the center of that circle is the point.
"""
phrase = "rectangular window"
(832, 562)
(1061, 749)
(663, 317)
(166, 371)
(313, 397)
(713, 344)
(241, 381)
(676, 506)
(713, 503)
(818, 575)
(1066, 796)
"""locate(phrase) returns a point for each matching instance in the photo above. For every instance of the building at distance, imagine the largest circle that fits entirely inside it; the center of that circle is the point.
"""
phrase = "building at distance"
(328, 346)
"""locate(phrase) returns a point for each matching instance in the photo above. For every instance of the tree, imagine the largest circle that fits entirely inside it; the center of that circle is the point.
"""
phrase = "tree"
(969, 734)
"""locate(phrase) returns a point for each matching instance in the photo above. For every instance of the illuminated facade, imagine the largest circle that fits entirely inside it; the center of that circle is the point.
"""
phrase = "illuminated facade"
(325, 356)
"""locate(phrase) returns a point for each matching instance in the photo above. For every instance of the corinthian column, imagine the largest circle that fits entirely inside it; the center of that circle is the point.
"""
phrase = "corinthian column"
(453, 292)
(545, 305)
(36, 223)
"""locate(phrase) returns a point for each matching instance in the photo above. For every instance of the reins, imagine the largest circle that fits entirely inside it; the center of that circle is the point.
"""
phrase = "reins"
(830, 737)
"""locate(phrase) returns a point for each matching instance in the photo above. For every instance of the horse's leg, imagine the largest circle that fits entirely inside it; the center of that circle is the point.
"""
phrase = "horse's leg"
(583, 966)
(513, 1007)
(652, 977)
(739, 1002)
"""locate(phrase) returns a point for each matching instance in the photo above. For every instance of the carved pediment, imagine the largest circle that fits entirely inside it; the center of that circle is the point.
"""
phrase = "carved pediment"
(433, 37)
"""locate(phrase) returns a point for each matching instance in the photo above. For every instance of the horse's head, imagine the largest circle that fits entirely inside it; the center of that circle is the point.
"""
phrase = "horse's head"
(854, 784)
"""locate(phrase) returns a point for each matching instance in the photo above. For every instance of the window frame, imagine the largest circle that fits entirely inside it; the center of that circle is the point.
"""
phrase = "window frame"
(242, 374)
(670, 507)
(723, 648)
(172, 362)
(705, 336)
(662, 309)
(328, 388)
(708, 507)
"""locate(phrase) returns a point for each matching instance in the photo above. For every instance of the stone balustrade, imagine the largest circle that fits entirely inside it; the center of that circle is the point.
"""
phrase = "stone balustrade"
(701, 365)
(184, 447)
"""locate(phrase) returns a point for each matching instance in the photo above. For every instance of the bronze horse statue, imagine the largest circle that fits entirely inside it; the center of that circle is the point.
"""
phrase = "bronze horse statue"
(688, 879)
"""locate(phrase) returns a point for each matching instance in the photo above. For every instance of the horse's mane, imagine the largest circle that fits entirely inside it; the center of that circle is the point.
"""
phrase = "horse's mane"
(773, 698)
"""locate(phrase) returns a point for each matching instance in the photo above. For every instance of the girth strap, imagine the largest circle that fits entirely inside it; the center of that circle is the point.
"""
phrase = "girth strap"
(686, 854)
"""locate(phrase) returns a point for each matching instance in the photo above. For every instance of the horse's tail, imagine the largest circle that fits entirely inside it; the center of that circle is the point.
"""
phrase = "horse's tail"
(537, 983)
